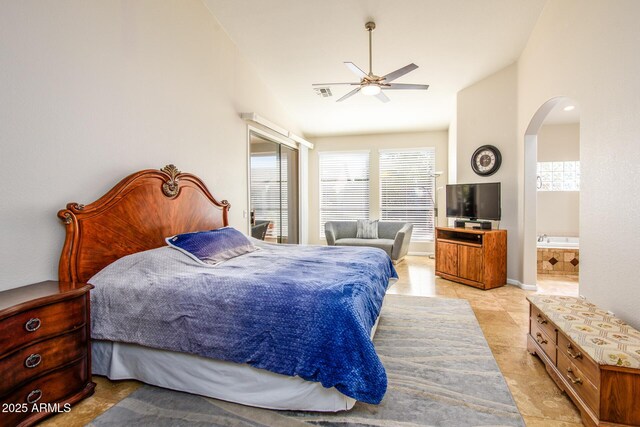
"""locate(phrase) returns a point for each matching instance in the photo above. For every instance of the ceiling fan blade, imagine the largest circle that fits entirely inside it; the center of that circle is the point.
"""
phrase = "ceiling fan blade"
(355, 69)
(353, 92)
(335, 84)
(382, 97)
(399, 72)
(396, 86)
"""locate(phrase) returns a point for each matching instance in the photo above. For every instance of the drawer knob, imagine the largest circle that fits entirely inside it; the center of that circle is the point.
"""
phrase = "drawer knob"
(572, 377)
(577, 355)
(33, 360)
(33, 324)
(34, 396)
(540, 339)
(541, 320)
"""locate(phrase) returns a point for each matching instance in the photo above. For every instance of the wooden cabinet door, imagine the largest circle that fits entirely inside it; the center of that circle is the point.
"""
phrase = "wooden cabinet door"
(470, 263)
(447, 258)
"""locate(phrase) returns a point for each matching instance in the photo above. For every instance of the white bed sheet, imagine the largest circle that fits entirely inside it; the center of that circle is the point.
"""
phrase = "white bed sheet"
(228, 381)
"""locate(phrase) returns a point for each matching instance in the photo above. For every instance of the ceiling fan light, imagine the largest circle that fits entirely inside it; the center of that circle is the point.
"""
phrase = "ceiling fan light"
(370, 90)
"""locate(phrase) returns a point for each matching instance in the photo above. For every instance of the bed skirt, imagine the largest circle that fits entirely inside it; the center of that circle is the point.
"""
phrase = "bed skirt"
(233, 382)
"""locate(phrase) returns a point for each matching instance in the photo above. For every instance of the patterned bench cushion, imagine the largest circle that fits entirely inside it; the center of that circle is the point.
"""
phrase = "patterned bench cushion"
(607, 339)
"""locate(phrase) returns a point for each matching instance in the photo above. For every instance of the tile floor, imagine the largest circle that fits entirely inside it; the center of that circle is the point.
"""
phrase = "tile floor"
(502, 314)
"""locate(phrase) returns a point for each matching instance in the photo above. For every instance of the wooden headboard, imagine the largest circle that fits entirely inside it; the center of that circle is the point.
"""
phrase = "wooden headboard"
(135, 215)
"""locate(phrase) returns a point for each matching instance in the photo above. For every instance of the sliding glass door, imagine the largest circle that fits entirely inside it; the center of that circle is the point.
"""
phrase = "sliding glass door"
(273, 190)
(289, 200)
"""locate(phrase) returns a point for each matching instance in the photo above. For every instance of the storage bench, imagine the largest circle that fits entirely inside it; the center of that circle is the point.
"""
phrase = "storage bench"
(591, 355)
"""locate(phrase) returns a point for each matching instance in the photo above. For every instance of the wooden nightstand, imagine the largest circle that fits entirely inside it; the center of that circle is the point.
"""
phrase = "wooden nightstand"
(45, 356)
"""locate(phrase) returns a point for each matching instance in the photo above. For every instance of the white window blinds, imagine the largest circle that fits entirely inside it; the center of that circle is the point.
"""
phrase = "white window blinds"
(344, 187)
(407, 188)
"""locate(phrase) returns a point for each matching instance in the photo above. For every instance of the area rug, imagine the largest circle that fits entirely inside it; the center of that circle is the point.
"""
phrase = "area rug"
(441, 373)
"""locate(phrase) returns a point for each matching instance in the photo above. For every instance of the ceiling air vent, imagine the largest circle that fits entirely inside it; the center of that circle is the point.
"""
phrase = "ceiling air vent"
(324, 92)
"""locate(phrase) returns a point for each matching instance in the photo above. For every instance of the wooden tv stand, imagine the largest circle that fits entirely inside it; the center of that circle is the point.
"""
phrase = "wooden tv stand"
(474, 257)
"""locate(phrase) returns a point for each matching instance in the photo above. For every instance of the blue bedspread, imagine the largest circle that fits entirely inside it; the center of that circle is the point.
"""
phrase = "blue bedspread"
(294, 310)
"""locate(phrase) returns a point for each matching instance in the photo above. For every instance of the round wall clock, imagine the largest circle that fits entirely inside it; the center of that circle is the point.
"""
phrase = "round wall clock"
(486, 160)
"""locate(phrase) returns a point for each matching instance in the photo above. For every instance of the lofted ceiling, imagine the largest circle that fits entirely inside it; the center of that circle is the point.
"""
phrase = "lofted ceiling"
(294, 43)
(565, 112)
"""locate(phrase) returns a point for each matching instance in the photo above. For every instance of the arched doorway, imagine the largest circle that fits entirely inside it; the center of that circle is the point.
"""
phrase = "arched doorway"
(555, 111)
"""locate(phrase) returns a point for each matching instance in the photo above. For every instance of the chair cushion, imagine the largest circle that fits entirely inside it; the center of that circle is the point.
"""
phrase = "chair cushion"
(367, 229)
(384, 244)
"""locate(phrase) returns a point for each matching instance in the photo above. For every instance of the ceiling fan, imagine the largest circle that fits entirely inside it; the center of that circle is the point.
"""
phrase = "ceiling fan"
(373, 85)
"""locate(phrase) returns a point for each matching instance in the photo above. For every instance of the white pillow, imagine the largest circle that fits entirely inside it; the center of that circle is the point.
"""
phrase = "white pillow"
(367, 229)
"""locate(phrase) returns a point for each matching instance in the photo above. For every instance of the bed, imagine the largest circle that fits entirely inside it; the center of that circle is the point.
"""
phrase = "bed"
(131, 222)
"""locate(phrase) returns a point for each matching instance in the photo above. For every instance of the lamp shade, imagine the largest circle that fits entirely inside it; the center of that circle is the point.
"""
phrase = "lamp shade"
(370, 90)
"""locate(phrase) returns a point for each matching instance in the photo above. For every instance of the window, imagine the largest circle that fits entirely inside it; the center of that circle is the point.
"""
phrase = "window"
(558, 176)
(344, 187)
(407, 188)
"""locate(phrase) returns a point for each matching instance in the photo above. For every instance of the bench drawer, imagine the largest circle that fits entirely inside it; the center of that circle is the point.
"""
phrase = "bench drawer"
(579, 382)
(543, 323)
(583, 362)
(544, 341)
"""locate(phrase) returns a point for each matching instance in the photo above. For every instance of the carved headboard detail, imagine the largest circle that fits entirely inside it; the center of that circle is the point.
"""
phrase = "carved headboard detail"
(135, 215)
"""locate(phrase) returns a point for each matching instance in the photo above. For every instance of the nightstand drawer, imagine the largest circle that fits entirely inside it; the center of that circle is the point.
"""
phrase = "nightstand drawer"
(42, 322)
(44, 356)
(47, 389)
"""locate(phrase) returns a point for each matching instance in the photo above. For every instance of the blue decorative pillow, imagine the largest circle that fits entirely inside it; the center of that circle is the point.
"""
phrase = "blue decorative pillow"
(212, 247)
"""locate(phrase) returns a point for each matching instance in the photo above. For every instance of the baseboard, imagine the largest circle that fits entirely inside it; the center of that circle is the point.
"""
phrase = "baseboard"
(522, 285)
(420, 253)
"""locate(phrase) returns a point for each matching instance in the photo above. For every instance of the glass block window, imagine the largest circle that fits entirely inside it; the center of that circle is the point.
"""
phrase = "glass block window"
(558, 176)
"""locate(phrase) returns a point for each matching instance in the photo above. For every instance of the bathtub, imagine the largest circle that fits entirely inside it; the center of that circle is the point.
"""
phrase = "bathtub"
(559, 255)
(560, 242)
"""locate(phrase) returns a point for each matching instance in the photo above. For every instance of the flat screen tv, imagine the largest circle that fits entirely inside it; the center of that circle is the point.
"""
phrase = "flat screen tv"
(474, 201)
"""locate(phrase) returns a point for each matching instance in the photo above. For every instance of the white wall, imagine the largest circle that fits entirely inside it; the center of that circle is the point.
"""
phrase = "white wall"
(436, 139)
(487, 114)
(588, 50)
(559, 142)
(93, 91)
(452, 150)
(558, 212)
